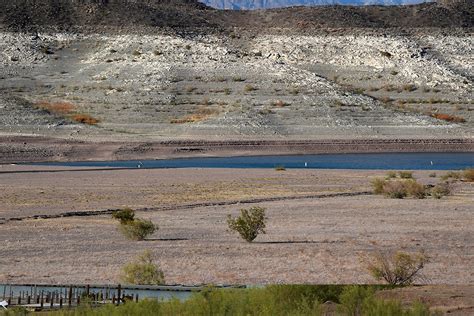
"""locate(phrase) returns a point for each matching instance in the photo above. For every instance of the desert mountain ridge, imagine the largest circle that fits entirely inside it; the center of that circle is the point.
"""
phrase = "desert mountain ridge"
(132, 14)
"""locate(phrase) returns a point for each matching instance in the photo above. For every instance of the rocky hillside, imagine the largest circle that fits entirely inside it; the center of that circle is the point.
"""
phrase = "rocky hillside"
(29, 15)
(130, 15)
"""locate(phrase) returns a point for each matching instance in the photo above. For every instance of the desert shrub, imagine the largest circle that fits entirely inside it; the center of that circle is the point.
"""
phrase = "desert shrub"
(143, 271)
(440, 190)
(395, 189)
(432, 175)
(138, 229)
(400, 268)
(294, 91)
(136, 53)
(131, 227)
(378, 185)
(124, 215)
(249, 224)
(249, 88)
(391, 175)
(451, 174)
(56, 107)
(280, 168)
(409, 87)
(406, 174)
(238, 79)
(448, 118)
(385, 54)
(415, 189)
(85, 119)
(468, 175)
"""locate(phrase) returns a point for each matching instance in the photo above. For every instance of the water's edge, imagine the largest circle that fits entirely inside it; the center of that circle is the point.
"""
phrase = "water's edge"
(370, 161)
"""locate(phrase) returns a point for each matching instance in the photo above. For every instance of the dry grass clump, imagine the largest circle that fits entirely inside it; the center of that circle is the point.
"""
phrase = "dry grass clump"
(202, 114)
(468, 175)
(395, 189)
(405, 174)
(399, 188)
(440, 190)
(249, 88)
(409, 87)
(85, 119)
(55, 107)
(399, 268)
(67, 110)
(448, 117)
(452, 175)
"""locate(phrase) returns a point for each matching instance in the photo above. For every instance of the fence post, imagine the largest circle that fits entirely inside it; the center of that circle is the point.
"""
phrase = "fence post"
(69, 298)
(119, 292)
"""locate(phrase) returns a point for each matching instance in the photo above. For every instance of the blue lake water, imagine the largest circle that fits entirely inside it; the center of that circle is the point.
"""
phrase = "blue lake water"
(396, 161)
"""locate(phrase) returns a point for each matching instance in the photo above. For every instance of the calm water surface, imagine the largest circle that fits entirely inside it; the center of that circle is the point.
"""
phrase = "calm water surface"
(398, 161)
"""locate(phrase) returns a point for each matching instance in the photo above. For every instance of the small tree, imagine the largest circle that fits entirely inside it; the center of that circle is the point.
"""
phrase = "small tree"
(143, 271)
(134, 228)
(400, 268)
(249, 224)
(124, 215)
(138, 229)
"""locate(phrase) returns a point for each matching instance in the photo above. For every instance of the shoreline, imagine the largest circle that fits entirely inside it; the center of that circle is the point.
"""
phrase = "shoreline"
(28, 149)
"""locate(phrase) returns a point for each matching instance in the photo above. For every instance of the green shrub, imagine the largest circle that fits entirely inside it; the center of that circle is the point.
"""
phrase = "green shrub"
(274, 300)
(353, 298)
(138, 229)
(124, 215)
(406, 174)
(143, 271)
(400, 268)
(249, 224)
(391, 175)
(440, 190)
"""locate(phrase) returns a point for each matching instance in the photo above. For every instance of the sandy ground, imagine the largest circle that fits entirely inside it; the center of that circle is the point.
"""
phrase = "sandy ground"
(307, 240)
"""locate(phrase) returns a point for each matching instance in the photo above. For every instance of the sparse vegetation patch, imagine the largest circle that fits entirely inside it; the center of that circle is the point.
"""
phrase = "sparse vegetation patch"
(399, 268)
(249, 224)
(143, 271)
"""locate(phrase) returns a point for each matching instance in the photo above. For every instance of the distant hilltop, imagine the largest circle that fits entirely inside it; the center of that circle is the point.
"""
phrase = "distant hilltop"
(134, 15)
